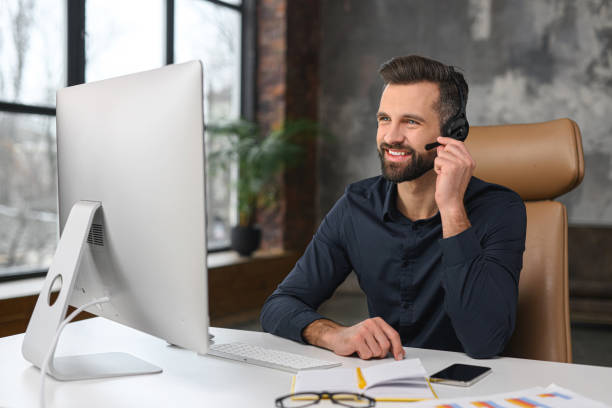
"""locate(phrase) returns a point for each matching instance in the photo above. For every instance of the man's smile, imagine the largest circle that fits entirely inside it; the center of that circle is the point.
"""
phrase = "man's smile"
(396, 155)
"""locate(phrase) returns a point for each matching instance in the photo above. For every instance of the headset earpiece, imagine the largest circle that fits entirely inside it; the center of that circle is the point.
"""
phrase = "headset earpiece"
(457, 127)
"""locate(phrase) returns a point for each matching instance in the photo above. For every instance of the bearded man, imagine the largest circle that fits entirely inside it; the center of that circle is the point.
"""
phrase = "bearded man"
(437, 251)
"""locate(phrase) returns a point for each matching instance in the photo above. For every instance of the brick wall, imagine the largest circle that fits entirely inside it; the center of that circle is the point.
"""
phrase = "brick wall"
(287, 88)
(270, 94)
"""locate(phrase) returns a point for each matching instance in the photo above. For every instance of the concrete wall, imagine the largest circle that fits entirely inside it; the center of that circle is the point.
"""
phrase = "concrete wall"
(525, 61)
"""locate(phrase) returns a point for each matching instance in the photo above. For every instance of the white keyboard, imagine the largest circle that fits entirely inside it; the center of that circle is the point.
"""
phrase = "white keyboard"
(281, 360)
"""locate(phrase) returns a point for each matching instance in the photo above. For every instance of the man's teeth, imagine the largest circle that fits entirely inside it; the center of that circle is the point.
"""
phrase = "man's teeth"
(392, 153)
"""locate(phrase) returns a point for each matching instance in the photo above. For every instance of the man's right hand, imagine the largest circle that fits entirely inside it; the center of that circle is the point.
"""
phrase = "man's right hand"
(371, 338)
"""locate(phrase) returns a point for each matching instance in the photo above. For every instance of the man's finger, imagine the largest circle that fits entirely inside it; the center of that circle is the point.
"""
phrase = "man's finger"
(373, 345)
(383, 342)
(441, 162)
(458, 151)
(447, 141)
(447, 155)
(452, 162)
(394, 337)
(363, 350)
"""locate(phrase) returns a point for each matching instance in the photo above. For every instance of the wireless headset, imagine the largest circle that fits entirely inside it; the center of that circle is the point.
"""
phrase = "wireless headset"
(456, 127)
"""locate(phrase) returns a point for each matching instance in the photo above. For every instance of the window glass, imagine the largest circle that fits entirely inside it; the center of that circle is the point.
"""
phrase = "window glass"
(212, 34)
(28, 191)
(123, 37)
(32, 51)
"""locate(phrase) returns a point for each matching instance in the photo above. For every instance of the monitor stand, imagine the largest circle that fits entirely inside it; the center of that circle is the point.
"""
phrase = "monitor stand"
(48, 315)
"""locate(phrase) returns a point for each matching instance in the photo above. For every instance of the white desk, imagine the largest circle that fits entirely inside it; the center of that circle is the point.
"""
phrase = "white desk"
(190, 380)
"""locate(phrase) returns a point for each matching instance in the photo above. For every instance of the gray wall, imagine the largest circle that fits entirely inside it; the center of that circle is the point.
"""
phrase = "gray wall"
(525, 61)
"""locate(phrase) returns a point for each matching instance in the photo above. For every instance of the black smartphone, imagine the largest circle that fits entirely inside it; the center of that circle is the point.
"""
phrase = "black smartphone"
(462, 375)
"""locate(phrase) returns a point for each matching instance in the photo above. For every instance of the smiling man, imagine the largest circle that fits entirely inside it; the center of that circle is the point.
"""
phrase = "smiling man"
(437, 251)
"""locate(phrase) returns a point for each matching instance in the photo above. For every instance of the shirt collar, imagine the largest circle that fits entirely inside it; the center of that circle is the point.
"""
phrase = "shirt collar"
(390, 211)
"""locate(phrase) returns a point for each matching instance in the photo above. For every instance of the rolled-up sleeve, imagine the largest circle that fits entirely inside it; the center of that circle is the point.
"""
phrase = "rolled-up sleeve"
(314, 278)
(480, 279)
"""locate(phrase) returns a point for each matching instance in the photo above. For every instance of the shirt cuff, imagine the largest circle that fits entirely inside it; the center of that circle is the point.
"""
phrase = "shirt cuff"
(460, 248)
(301, 321)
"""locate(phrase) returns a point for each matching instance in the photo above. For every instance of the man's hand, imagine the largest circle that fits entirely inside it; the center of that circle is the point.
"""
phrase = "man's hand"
(454, 167)
(372, 338)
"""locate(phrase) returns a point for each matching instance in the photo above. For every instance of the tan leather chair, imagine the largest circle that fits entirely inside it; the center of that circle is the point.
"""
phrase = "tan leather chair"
(539, 161)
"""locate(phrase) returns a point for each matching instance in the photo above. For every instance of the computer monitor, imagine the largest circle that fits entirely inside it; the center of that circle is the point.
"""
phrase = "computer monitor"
(131, 177)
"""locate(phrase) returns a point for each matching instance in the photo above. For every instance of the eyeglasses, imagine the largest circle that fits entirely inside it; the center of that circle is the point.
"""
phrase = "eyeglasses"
(306, 399)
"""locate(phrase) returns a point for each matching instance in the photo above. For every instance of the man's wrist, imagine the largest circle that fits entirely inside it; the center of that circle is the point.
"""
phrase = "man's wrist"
(451, 206)
(454, 220)
(321, 333)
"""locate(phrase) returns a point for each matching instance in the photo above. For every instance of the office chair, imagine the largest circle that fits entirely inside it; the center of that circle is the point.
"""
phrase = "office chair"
(539, 161)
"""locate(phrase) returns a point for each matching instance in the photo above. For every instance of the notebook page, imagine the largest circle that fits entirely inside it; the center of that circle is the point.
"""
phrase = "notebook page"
(403, 379)
(331, 380)
(396, 370)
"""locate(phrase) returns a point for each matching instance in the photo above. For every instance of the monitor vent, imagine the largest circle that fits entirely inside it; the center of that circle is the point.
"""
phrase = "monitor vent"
(96, 235)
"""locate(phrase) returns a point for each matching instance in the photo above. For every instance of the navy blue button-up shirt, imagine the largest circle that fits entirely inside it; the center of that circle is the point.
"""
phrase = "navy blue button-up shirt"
(458, 293)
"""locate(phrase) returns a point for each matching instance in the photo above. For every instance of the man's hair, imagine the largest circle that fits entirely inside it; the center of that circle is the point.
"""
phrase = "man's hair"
(414, 68)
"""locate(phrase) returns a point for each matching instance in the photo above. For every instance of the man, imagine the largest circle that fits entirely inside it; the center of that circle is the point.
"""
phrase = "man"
(437, 251)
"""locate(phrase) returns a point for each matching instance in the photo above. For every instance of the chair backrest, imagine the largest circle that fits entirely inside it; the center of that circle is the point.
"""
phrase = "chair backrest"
(539, 161)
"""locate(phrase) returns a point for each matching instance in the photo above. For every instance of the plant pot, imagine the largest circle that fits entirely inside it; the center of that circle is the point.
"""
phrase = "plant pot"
(245, 240)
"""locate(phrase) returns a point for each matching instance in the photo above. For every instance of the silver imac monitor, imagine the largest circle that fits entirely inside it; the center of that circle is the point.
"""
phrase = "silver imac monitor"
(131, 170)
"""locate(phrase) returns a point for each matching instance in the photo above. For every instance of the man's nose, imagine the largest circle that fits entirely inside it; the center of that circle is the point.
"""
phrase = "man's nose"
(394, 136)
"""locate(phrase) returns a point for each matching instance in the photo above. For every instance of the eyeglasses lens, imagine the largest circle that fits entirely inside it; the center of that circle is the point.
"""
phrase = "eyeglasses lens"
(352, 400)
(299, 400)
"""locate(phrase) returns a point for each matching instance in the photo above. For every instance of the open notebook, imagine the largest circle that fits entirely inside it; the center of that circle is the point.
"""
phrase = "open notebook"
(404, 380)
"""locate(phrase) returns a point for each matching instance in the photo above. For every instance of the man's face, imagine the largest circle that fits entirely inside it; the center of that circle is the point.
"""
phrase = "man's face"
(407, 122)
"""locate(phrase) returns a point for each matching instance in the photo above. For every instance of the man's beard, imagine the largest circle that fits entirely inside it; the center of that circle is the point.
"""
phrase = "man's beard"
(400, 172)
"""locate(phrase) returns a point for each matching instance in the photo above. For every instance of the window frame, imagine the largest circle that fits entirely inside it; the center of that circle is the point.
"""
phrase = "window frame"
(75, 75)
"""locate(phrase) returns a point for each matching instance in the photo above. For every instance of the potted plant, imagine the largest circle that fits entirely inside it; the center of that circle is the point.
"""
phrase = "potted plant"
(260, 157)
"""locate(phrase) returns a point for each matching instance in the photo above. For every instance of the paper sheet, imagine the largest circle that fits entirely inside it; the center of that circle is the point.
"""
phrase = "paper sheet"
(552, 396)
(330, 380)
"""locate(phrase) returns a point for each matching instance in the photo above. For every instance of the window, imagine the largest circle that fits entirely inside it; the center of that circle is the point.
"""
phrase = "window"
(115, 29)
(99, 39)
(32, 52)
(211, 33)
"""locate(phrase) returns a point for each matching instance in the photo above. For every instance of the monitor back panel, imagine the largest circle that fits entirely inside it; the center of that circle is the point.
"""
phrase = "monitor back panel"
(136, 144)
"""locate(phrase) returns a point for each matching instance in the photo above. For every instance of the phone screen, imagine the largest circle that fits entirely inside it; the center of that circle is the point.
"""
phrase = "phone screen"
(460, 373)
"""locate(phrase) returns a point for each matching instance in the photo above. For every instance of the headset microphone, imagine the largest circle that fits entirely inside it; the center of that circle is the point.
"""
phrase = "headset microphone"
(456, 127)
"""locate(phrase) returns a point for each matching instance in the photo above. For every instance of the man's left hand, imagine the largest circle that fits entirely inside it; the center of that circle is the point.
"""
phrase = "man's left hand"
(454, 167)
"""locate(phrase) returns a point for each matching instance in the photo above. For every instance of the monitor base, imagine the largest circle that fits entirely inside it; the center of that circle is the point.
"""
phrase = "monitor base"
(40, 337)
(103, 365)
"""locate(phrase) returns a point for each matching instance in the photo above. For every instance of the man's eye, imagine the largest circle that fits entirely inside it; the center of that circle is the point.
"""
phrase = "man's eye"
(383, 119)
(411, 122)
